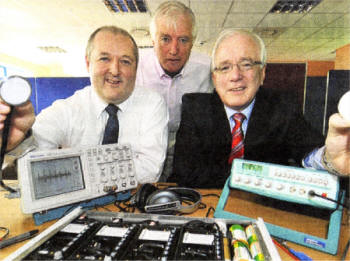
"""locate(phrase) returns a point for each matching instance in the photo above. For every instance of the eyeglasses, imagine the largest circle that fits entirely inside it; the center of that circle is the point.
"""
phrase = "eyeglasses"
(242, 66)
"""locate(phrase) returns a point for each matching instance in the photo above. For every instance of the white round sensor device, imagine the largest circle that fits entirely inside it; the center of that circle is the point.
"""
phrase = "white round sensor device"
(15, 90)
(344, 106)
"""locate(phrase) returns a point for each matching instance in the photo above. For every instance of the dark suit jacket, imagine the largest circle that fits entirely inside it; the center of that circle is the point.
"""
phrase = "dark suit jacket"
(277, 133)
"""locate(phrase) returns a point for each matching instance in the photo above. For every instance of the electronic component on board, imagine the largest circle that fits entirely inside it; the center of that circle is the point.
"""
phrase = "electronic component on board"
(124, 236)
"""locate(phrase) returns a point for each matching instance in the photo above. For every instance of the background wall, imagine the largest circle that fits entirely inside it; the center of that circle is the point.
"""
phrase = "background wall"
(342, 58)
(319, 68)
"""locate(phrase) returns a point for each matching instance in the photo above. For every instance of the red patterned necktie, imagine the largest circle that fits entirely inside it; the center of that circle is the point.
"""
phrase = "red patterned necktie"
(237, 148)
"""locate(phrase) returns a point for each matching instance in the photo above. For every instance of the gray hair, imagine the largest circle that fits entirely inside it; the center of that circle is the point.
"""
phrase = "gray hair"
(172, 9)
(231, 32)
(115, 30)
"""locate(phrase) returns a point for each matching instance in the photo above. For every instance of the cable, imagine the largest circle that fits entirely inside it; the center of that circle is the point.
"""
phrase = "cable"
(345, 251)
(4, 141)
(211, 195)
(209, 210)
(7, 231)
(285, 250)
(314, 194)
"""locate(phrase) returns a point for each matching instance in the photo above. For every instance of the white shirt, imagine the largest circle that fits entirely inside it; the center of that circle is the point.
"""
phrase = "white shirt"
(80, 120)
(194, 77)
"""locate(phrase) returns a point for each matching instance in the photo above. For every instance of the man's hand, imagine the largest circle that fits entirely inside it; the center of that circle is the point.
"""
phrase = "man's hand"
(338, 144)
(21, 121)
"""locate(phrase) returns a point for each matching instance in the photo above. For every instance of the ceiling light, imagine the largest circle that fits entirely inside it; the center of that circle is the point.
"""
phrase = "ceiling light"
(52, 49)
(270, 32)
(139, 32)
(294, 6)
(126, 6)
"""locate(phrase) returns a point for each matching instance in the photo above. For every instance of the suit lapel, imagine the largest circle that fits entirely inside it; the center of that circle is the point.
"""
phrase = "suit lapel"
(221, 124)
(259, 119)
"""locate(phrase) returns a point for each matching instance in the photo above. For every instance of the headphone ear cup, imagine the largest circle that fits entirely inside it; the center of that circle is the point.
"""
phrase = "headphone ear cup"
(142, 194)
(162, 197)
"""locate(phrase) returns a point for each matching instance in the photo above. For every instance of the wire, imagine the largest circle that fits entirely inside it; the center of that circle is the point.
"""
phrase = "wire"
(7, 231)
(345, 251)
(103, 207)
(285, 250)
(298, 254)
(209, 210)
(4, 141)
(314, 194)
(211, 195)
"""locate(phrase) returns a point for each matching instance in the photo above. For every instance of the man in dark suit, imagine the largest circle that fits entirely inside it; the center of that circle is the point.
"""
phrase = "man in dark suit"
(273, 128)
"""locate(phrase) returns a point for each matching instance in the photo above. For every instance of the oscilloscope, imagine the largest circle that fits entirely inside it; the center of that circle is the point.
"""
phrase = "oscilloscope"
(54, 178)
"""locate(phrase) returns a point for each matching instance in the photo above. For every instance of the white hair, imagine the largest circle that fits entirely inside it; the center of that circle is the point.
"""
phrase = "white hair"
(172, 9)
(231, 32)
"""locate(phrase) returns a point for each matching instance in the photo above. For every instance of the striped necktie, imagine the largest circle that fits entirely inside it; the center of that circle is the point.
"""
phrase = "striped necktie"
(112, 127)
(237, 147)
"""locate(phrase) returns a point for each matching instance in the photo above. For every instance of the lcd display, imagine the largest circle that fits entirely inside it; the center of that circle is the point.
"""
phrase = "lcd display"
(56, 176)
(253, 168)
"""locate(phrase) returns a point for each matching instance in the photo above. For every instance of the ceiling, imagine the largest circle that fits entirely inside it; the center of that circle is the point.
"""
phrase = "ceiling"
(27, 25)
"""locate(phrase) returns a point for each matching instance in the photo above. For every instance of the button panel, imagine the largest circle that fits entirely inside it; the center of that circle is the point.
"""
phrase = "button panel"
(111, 167)
(284, 182)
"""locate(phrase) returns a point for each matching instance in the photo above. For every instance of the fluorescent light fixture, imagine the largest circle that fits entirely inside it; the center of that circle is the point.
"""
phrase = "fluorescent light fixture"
(126, 6)
(294, 6)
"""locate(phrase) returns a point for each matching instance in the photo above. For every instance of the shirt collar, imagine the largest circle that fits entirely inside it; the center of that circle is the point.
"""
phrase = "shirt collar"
(247, 111)
(101, 105)
(97, 102)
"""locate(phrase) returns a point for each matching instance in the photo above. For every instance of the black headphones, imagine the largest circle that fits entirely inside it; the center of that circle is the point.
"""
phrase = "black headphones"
(153, 200)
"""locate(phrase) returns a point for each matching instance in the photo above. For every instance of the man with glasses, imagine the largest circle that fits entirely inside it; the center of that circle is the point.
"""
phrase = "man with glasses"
(242, 120)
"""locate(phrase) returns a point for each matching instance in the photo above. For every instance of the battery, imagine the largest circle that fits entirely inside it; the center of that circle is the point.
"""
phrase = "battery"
(238, 234)
(241, 252)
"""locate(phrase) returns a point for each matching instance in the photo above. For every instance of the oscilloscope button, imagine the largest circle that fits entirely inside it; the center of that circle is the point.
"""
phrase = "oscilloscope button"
(114, 155)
